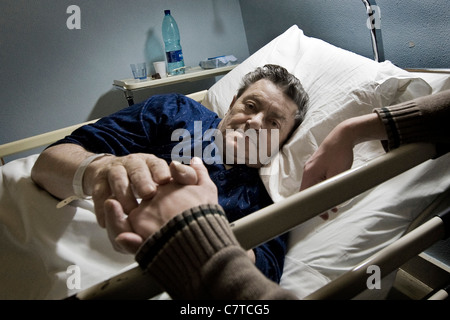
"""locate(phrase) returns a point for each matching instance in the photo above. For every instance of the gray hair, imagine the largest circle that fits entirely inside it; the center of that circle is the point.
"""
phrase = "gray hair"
(285, 81)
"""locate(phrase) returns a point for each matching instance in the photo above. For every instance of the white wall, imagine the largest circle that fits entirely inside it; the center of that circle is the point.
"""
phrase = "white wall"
(52, 77)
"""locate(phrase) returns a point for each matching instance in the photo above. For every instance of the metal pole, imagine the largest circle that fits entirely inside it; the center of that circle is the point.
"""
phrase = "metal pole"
(375, 32)
(387, 259)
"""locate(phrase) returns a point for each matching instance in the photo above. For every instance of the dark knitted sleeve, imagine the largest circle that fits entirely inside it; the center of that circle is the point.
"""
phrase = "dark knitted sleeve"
(424, 119)
(196, 256)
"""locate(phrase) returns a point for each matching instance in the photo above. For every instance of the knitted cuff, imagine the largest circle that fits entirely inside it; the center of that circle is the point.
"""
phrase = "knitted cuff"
(175, 254)
(401, 124)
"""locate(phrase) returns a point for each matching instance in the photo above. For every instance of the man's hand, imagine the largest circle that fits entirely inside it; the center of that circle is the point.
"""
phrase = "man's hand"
(335, 154)
(126, 179)
(191, 186)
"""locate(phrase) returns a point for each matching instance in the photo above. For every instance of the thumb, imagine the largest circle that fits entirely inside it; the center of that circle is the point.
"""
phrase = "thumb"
(183, 174)
(119, 229)
(130, 242)
(200, 169)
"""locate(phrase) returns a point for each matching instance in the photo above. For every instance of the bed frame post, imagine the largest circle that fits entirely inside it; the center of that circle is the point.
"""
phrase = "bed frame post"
(375, 31)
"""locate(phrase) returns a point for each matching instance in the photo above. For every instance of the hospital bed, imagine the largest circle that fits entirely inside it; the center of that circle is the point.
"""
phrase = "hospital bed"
(379, 200)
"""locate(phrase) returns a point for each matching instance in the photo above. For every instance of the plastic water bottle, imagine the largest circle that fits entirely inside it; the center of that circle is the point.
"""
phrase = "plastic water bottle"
(171, 37)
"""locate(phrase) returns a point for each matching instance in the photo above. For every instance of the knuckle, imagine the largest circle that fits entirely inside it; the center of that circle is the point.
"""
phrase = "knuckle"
(134, 157)
(153, 160)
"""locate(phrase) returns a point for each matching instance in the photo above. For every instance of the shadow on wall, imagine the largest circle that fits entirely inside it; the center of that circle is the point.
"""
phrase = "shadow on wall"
(114, 100)
(153, 50)
(219, 25)
(110, 102)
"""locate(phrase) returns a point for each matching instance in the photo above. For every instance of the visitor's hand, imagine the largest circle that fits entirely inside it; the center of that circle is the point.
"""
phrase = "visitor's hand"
(190, 186)
(335, 153)
(126, 179)
(334, 156)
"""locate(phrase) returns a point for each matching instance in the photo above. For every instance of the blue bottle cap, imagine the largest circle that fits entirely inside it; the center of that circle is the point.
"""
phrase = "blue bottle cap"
(166, 12)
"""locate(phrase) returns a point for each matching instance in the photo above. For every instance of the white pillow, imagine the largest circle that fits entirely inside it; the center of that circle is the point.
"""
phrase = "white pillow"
(340, 84)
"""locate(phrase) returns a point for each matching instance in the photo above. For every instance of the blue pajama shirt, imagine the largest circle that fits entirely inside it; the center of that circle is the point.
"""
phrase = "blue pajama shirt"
(147, 127)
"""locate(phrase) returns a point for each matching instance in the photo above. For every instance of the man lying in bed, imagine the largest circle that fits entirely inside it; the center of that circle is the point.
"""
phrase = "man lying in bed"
(126, 155)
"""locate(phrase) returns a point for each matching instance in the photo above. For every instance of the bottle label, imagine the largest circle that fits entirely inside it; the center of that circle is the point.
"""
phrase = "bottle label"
(174, 56)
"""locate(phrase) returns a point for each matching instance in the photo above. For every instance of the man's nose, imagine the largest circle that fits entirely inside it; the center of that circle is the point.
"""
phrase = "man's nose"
(256, 121)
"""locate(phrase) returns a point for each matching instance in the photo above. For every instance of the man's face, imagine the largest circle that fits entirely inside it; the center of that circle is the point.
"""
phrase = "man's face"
(263, 117)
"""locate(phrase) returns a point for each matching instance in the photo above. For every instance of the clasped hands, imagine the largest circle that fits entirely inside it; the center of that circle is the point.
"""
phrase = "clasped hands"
(187, 187)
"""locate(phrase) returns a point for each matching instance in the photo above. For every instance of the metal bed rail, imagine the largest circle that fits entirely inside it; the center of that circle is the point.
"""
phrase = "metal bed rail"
(282, 217)
(390, 258)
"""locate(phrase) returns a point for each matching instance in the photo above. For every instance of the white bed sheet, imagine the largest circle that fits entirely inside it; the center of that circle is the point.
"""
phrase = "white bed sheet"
(38, 242)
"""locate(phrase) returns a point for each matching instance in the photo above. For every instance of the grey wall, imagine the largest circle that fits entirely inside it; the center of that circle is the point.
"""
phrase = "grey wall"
(416, 33)
(52, 77)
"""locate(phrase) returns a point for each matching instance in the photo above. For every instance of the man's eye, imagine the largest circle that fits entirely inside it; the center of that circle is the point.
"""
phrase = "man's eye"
(275, 125)
(250, 106)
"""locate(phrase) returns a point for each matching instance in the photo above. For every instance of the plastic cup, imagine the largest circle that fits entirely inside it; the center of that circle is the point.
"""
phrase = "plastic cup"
(160, 67)
(139, 70)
